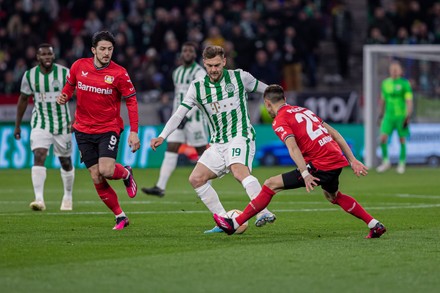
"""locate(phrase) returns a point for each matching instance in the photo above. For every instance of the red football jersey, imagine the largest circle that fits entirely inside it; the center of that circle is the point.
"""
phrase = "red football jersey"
(99, 92)
(312, 138)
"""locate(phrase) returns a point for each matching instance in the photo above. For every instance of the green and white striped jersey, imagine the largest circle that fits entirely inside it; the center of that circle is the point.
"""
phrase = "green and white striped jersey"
(45, 88)
(224, 103)
(182, 78)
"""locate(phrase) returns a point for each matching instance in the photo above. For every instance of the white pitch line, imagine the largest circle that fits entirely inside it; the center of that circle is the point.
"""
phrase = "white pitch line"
(419, 206)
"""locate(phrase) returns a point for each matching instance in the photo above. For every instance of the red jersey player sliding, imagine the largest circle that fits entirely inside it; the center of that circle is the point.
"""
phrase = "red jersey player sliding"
(100, 84)
(317, 149)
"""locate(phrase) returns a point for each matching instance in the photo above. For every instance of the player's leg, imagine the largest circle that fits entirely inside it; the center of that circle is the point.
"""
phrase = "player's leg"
(239, 157)
(63, 149)
(40, 144)
(108, 168)
(88, 145)
(330, 186)
(386, 129)
(403, 132)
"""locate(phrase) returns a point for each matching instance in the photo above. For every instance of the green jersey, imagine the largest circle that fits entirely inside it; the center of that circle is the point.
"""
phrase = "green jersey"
(395, 93)
(224, 103)
(45, 88)
(182, 78)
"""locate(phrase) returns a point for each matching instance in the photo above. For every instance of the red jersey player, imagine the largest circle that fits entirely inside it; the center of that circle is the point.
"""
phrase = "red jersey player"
(318, 151)
(100, 85)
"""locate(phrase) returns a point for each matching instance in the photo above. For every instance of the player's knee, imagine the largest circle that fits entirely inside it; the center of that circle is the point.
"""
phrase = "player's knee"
(106, 171)
(196, 180)
(66, 163)
(330, 196)
(40, 157)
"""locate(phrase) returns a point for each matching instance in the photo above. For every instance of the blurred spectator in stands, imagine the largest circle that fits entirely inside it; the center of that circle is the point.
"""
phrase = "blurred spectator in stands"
(230, 55)
(434, 22)
(214, 37)
(376, 37)
(168, 59)
(420, 34)
(165, 108)
(8, 85)
(381, 22)
(92, 24)
(243, 46)
(414, 13)
(342, 25)
(402, 37)
(151, 78)
(262, 69)
(64, 35)
(292, 60)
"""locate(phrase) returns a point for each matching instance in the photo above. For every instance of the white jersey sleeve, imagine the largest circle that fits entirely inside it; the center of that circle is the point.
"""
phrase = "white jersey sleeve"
(25, 86)
(252, 84)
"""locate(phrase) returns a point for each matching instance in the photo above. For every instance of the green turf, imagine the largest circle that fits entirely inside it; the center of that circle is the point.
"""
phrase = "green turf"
(313, 247)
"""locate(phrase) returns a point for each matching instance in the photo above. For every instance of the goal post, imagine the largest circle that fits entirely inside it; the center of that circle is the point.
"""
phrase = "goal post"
(421, 64)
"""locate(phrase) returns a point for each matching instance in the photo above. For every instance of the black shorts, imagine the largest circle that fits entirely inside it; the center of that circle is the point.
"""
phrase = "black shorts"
(94, 146)
(329, 180)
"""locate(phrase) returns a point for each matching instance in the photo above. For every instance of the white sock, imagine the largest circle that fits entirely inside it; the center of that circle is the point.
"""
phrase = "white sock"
(169, 164)
(372, 223)
(38, 179)
(210, 198)
(67, 177)
(253, 188)
(121, 215)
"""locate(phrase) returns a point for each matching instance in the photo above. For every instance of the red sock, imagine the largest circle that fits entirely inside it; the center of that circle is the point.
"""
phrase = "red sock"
(256, 205)
(120, 172)
(108, 196)
(351, 206)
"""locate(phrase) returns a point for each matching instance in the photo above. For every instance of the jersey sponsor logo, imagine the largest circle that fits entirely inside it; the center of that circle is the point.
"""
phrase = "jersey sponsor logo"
(109, 79)
(83, 73)
(229, 88)
(94, 89)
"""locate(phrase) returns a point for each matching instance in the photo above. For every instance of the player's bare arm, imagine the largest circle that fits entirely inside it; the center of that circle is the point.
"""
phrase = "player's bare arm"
(23, 101)
(358, 168)
(297, 157)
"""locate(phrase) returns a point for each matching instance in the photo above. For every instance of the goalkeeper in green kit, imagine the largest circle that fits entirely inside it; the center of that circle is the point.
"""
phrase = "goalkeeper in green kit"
(395, 109)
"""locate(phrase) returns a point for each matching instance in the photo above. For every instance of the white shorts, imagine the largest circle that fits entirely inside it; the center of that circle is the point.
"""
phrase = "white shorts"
(194, 134)
(62, 143)
(219, 156)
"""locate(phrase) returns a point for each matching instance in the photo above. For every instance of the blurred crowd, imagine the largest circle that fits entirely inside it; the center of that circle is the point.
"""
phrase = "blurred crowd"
(404, 22)
(277, 41)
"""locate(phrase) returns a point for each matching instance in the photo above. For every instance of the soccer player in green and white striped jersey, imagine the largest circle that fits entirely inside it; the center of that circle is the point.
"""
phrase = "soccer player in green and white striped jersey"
(50, 123)
(222, 96)
(192, 130)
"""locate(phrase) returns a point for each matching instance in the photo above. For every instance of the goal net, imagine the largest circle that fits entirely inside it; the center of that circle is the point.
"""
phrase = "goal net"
(421, 65)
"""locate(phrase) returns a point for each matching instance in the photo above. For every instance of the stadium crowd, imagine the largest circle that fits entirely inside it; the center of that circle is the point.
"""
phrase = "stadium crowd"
(274, 40)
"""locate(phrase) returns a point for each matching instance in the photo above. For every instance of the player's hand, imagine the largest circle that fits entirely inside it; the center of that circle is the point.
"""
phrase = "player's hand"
(62, 99)
(406, 122)
(311, 182)
(359, 168)
(155, 142)
(17, 132)
(133, 141)
(182, 124)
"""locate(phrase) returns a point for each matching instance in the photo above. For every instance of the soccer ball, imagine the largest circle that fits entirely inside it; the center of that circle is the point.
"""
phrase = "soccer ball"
(233, 214)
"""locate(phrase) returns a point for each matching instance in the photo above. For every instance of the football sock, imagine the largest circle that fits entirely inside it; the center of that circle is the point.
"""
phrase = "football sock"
(351, 206)
(167, 168)
(120, 172)
(121, 215)
(67, 177)
(384, 147)
(252, 187)
(256, 205)
(108, 196)
(402, 156)
(210, 198)
(38, 179)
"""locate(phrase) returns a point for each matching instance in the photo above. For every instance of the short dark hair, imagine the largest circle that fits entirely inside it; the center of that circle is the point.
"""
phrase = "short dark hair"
(102, 36)
(190, 44)
(274, 93)
(44, 45)
(213, 51)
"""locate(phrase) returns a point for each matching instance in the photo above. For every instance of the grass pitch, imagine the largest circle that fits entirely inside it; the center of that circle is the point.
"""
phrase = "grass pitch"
(313, 246)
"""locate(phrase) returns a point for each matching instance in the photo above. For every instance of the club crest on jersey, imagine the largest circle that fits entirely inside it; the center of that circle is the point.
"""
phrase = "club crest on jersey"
(229, 88)
(56, 83)
(109, 79)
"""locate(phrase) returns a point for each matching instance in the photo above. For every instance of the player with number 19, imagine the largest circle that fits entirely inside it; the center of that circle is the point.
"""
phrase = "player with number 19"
(319, 152)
